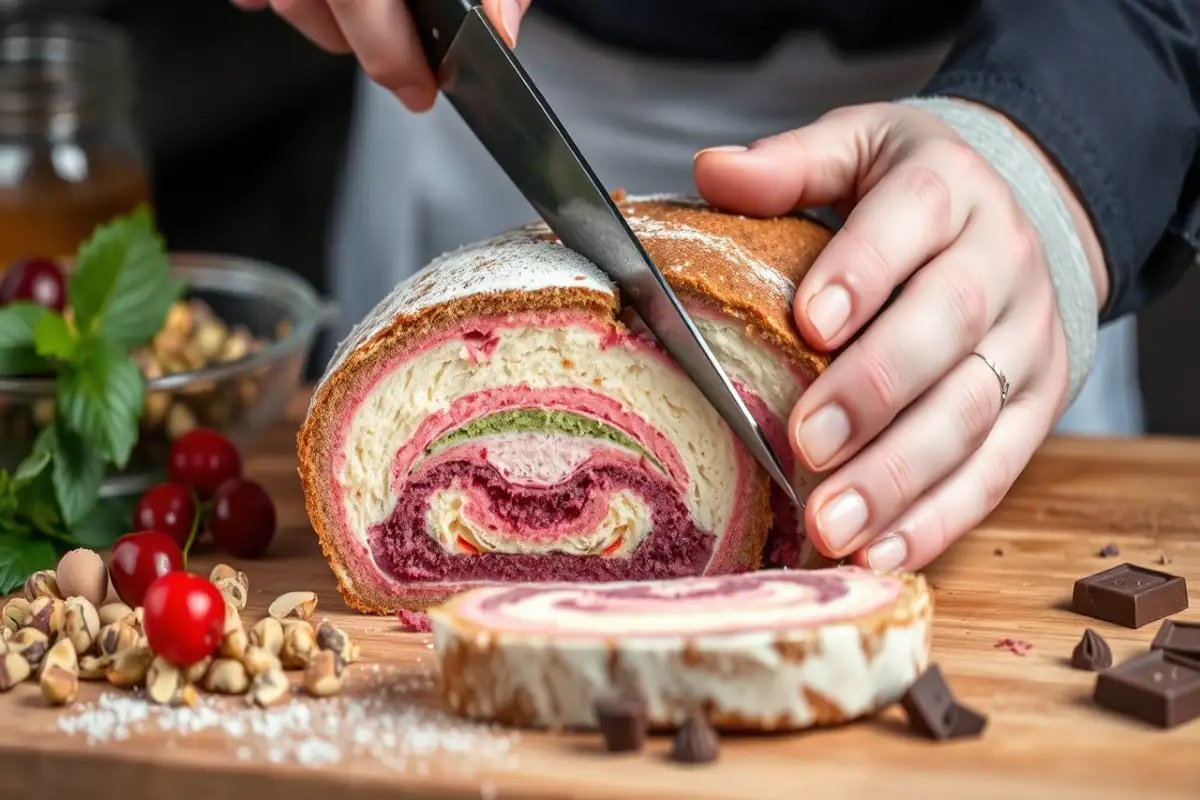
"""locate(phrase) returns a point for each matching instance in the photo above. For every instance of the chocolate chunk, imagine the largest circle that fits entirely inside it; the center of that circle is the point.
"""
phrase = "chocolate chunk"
(967, 722)
(1178, 637)
(1130, 595)
(935, 714)
(696, 742)
(1159, 687)
(1109, 550)
(1092, 653)
(622, 722)
(997, 552)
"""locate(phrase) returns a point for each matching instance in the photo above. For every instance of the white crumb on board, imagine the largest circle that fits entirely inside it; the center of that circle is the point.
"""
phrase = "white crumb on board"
(388, 724)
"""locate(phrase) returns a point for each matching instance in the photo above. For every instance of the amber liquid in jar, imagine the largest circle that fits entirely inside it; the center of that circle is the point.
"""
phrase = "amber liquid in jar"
(69, 156)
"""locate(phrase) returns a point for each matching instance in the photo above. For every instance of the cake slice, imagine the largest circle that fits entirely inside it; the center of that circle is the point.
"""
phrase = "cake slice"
(498, 418)
(771, 650)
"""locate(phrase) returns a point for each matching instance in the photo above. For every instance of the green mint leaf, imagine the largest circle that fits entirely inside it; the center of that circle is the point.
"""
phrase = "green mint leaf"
(108, 520)
(121, 287)
(39, 507)
(17, 353)
(53, 338)
(77, 474)
(20, 557)
(38, 459)
(100, 397)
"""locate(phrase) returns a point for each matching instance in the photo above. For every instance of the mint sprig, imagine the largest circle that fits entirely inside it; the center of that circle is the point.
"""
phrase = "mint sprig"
(119, 294)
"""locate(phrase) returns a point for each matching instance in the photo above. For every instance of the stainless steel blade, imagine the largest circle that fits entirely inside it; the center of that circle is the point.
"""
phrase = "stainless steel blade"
(490, 90)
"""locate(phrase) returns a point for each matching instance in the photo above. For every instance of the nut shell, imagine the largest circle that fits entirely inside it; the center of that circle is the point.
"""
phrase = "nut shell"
(59, 676)
(267, 633)
(324, 675)
(269, 688)
(233, 591)
(129, 666)
(293, 605)
(332, 638)
(13, 670)
(47, 615)
(258, 661)
(17, 613)
(163, 681)
(43, 583)
(226, 676)
(113, 612)
(81, 573)
(299, 645)
(31, 644)
(81, 622)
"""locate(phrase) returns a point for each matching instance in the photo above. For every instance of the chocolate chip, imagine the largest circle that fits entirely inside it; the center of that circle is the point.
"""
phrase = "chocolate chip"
(696, 742)
(934, 713)
(1109, 550)
(622, 722)
(998, 552)
(1092, 653)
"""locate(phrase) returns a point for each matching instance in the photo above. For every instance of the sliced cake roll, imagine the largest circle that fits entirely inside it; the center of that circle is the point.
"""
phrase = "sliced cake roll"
(770, 650)
(497, 418)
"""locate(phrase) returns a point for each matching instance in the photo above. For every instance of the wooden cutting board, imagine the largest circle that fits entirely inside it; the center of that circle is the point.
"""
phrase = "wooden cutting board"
(386, 736)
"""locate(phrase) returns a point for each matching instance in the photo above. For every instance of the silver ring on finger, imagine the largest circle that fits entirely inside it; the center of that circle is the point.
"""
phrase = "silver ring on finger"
(999, 373)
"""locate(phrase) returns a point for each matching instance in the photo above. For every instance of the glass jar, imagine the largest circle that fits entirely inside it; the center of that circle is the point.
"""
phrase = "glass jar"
(70, 156)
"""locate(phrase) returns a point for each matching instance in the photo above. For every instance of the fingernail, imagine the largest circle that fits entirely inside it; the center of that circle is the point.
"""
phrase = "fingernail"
(510, 18)
(841, 518)
(415, 97)
(721, 148)
(823, 433)
(829, 310)
(887, 554)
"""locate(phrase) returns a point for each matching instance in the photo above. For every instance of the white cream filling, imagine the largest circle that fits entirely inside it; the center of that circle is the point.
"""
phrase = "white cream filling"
(627, 520)
(548, 358)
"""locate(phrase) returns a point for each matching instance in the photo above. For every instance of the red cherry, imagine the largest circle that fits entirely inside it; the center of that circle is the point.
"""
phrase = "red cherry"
(203, 459)
(37, 280)
(242, 522)
(169, 508)
(138, 560)
(184, 618)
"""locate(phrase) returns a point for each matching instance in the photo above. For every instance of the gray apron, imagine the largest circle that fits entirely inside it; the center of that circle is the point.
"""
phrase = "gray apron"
(416, 186)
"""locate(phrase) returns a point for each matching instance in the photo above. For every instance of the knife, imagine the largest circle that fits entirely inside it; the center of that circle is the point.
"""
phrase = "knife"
(486, 84)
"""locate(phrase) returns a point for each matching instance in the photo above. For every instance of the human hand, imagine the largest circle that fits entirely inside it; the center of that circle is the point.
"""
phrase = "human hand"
(381, 35)
(907, 422)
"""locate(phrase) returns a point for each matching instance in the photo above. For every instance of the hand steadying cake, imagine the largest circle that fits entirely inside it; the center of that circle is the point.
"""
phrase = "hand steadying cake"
(941, 398)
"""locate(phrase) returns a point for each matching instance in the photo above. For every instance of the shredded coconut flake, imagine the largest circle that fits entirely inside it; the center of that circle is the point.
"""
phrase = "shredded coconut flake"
(390, 723)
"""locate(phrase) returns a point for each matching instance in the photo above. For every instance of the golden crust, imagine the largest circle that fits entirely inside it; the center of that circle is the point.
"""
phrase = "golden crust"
(786, 246)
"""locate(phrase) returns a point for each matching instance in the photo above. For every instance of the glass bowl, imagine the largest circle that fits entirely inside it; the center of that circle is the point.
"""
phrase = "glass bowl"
(283, 314)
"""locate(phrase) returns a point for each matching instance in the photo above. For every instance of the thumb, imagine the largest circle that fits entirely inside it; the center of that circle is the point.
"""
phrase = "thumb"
(506, 15)
(819, 164)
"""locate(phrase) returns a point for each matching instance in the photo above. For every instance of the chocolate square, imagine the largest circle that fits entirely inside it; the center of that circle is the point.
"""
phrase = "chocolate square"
(1158, 687)
(929, 705)
(1130, 595)
(935, 714)
(1178, 637)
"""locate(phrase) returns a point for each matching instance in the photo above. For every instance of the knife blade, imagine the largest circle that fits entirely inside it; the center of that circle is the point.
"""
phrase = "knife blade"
(490, 90)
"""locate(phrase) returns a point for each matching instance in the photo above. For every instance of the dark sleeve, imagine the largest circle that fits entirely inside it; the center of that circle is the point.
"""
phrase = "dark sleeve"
(1109, 89)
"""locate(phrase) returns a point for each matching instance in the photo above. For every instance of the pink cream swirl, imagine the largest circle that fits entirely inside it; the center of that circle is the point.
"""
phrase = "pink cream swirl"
(700, 606)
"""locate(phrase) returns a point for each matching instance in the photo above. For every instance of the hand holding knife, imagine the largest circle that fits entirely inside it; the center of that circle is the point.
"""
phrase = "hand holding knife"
(486, 84)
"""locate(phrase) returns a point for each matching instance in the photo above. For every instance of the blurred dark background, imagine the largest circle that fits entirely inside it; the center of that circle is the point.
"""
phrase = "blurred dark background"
(246, 124)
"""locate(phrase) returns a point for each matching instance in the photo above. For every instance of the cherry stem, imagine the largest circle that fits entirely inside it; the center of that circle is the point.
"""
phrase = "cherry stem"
(191, 540)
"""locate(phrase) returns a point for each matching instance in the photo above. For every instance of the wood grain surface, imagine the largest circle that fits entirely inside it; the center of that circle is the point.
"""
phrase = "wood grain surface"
(1010, 578)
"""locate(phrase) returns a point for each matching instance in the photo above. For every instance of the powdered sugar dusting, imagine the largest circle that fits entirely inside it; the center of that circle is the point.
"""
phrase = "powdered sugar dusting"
(650, 229)
(529, 259)
(392, 723)
(523, 260)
